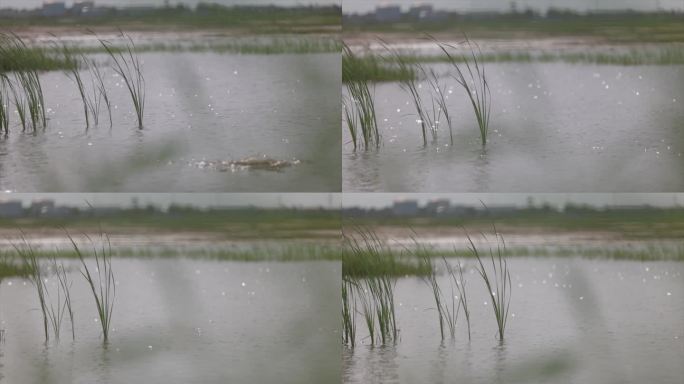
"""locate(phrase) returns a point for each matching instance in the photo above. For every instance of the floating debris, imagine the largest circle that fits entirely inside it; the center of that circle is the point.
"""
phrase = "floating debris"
(262, 163)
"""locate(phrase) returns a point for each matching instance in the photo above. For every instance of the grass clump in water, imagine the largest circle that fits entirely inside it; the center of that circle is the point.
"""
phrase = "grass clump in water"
(127, 65)
(103, 286)
(348, 311)
(473, 80)
(376, 292)
(92, 100)
(372, 68)
(359, 108)
(25, 85)
(4, 104)
(53, 314)
(497, 280)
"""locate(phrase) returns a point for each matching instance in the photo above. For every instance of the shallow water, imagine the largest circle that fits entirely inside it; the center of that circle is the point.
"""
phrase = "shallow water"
(554, 128)
(201, 109)
(182, 321)
(572, 321)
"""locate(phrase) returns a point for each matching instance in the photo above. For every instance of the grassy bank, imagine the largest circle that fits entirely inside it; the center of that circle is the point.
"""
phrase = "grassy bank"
(11, 264)
(636, 223)
(248, 223)
(396, 263)
(261, 20)
(50, 58)
(615, 28)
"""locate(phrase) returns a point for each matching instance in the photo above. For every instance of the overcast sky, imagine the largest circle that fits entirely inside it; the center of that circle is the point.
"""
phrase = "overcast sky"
(363, 6)
(28, 4)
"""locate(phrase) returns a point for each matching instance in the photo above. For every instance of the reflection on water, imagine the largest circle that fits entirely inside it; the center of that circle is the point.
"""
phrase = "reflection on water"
(571, 320)
(200, 107)
(182, 321)
(554, 128)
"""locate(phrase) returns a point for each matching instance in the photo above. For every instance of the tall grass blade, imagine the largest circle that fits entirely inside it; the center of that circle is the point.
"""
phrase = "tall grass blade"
(127, 65)
(359, 108)
(497, 280)
(473, 80)
(103, 285)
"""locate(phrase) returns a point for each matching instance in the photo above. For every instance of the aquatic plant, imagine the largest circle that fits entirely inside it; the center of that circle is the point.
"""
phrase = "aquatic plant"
(411, 85)
(372, 68)
(360, 109)
(4, 103)
(103, 286)
(376, 291)
(100, 90)
(439, 98)
(64, 286)
(497, 281)
(31, 264)
(127, 65)
(446, 314)
(473, 80)
(348, 311)
(27, 89)
(75, 75)
(459, 282)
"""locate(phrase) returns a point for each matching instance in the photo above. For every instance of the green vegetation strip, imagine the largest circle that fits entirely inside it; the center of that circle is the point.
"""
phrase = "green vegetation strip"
(618, 28)
(51, 58)
(380, 68)
(398, 263)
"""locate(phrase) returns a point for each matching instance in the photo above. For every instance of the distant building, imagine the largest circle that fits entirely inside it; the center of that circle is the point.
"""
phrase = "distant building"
(388, 14)
(11, 209)
(83, 8)
(438, 207)
(42, 207)
(421, 12)
(54, 9)
(405, 208)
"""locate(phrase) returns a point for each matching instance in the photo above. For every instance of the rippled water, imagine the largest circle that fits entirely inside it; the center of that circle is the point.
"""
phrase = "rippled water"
(201, 108)
(572, 321)
(183, 321)
(554, 128)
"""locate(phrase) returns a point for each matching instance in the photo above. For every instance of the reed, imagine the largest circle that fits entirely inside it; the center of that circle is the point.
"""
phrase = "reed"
(21, 107)
(448, 308)
(473, 80)
(348, 311)
(65, 286)
(102, 285)
(30, 259)
(75, 74)
(444, 314)
(439, 98)
(127, 65)
(497, 280)
(459, 281)
(360, 108)
(100, 90)
(376, 291)
(4, 104)
(411, 85)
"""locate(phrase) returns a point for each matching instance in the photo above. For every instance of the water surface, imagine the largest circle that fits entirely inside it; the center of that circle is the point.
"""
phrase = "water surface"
(571, 321)
(182, 321)
(203, 111)
(554, 128)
